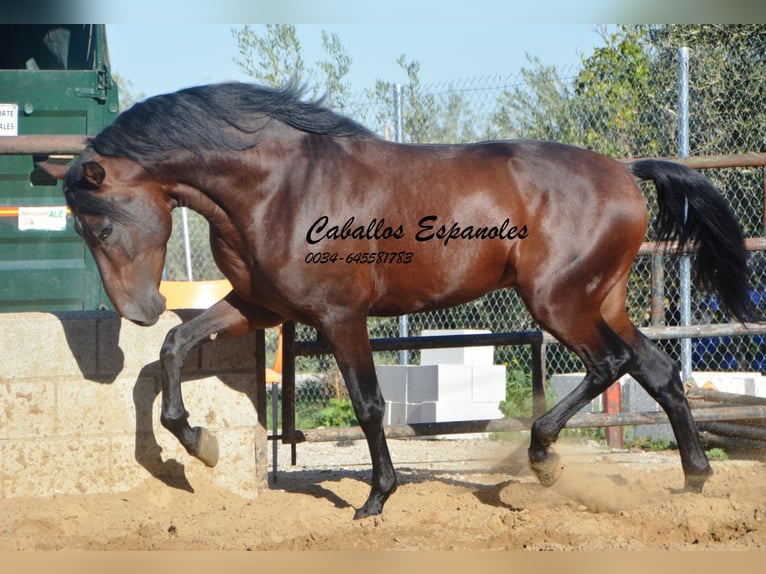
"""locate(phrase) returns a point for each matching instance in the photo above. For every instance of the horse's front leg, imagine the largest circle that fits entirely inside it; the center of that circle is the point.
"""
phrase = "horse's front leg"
(229, 317)
(351, 347)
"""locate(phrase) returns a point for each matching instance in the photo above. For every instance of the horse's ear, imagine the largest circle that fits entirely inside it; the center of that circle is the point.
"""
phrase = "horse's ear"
(93, 174)
(55, 170)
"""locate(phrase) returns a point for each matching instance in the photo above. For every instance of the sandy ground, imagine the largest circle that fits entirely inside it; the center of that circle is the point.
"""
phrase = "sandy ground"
(454, 494)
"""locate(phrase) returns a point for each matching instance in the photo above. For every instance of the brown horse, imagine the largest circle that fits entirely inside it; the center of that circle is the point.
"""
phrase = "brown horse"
(315, 219)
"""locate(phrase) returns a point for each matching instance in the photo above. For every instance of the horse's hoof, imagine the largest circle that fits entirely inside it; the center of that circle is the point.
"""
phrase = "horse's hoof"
(547, 470)
(207, 447)
(695, 482)
(374, 504)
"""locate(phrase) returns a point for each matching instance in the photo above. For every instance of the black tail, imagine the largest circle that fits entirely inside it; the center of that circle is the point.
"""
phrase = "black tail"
(692, 211)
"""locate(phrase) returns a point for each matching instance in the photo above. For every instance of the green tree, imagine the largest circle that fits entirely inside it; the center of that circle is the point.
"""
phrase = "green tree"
(125, 90)
(334, 70)
(537, 107)
(427, 117)
(610, 98)
(604, 107)
(274, 57)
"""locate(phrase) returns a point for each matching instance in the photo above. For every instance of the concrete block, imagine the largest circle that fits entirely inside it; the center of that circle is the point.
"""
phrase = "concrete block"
(396, 413)
(138, 347)
(424, 412)
(236, 468)
(89, 408)
(439, 383)
(636, 400)
(444, 411)
(27, 409)
(488, 383)
(459, 355)
(743, 383)
(393, 382)
(563, 384)
(133, 458)
(28, 338)
(220, 403)
(57, 466)
(447, 411)
(228, 353)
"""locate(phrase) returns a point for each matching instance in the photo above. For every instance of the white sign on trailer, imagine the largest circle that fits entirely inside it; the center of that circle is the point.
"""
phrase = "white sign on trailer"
(9, 120)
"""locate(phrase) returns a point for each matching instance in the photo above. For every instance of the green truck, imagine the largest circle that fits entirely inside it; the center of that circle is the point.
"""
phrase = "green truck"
(54, 81)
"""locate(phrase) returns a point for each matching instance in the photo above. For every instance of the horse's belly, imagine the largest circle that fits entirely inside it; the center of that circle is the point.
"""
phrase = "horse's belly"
(441, 283)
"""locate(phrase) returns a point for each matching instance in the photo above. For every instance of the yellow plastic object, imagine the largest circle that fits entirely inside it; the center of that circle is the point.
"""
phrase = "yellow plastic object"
(274, 374)
(194, 294)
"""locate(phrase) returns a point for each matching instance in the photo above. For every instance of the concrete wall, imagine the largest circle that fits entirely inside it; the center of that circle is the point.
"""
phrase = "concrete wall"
(79, 407)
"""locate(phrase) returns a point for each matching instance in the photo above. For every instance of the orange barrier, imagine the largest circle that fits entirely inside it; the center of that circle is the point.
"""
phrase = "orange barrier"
(194, 294)
(274, 374)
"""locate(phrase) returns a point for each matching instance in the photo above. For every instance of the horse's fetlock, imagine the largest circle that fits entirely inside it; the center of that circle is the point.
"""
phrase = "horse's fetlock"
(543, 435)
(174, 422)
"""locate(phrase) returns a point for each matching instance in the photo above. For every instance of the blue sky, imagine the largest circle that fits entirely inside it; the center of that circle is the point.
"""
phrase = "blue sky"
(157, 57)
(164, 45)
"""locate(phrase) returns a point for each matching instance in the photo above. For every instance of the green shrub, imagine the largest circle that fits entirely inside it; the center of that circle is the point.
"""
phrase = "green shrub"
(518, 391)
(337, 413)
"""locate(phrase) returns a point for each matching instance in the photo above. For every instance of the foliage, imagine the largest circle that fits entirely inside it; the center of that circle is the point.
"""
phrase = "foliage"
(537, 107)
(125, 91)
(335, 68)
(518, 392)
(609, 94)
(337, 413)
(427, 117)
(314, 409)
(649, 444)
(717, 454)
(272, 55)
(273, 58)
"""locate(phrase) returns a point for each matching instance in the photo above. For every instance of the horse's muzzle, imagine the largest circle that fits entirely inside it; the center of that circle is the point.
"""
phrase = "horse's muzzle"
(145, 315)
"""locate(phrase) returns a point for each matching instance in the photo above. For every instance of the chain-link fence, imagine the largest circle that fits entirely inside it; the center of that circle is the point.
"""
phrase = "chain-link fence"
(596, 112)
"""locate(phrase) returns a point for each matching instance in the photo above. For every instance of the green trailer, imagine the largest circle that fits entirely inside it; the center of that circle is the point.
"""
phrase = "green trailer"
(54, 81)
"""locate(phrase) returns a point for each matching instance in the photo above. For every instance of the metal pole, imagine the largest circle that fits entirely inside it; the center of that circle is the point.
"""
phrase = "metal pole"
(274, 430)
(187, 246)
(404, 328)
(685, 263)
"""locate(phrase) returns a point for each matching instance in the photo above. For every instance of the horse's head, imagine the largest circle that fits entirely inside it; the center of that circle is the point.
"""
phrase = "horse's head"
(124, 217)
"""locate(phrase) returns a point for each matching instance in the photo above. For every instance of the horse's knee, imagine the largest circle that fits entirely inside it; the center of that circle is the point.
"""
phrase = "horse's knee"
(370, 411)
(171, 351)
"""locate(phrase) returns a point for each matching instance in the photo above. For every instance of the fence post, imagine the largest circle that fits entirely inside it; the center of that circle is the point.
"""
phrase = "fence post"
(404, 327)
(615, 437)
(685, 263)
(187, 244)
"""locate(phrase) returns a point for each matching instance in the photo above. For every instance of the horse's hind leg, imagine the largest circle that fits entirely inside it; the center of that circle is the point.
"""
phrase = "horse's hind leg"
(351, 347)
(659, 375)
(606, 358)
(231, 316)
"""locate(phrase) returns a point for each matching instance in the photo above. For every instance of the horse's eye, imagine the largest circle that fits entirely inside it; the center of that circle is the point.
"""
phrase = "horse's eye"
(105, 232)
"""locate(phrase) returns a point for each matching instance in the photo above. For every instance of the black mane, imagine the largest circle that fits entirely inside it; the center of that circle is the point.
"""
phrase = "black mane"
(225, 117)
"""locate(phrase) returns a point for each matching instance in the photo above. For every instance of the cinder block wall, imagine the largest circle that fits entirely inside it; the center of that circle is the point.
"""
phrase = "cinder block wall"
(79, 407)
